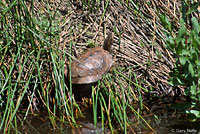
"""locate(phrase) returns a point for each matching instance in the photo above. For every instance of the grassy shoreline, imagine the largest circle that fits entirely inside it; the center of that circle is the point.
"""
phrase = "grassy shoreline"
(37, 38)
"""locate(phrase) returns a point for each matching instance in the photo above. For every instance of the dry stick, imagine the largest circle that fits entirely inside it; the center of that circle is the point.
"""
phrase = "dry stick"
(170, 56)
(101, 23)
(78, 35)
(174, 7)
(151, 73)
(96, 28)
(149, 9)
(168, 53)
(140, 31)
(169, 11)
(65, 42)
(154, 23)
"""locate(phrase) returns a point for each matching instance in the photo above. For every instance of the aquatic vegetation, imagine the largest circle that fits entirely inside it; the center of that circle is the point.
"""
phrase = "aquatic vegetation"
(185, 45)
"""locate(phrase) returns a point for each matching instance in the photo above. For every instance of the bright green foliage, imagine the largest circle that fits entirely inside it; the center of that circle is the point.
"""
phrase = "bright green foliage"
(186, 46)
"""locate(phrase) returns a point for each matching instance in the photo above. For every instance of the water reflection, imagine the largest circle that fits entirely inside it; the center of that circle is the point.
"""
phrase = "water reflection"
(162, 118)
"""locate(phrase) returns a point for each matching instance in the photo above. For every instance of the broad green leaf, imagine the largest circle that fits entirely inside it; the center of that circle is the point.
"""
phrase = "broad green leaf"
(193, 97)
(191, 70)
(179, 48)
(182, 22)
(185, 52)
(182, 32)
(195, 43)
(195, 24)
(193, 90)
(194, 59)
(195, 112)
(193, 115)
(183, 60)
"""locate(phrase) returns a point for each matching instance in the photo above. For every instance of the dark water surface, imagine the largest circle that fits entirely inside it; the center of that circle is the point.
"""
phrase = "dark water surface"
(161, 117)
(162, 125)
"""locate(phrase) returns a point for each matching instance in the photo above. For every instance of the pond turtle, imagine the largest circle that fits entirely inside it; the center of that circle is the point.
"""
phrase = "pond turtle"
(93, 64)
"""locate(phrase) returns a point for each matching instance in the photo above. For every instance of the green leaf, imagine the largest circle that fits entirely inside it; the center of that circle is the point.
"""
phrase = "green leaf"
(194, 112)
(195, 24)
(183, 60)
(195, 59)
(193, 8)
(182, 32)
(193, 90)
(184, 9)
(165, 22)
(185, 52)
(162, 19)
(191, 70)
(179, 48)
(198, 70)
(175, 81)
(195, 43)
(182, 22)
(170, 41)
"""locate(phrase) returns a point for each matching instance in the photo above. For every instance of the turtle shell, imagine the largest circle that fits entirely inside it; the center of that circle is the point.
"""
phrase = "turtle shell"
(90, 66)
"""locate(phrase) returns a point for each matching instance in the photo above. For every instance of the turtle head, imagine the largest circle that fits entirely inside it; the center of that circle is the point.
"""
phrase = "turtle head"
(108, 41)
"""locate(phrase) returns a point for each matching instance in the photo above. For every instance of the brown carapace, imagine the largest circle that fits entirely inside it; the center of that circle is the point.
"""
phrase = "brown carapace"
(93, 64)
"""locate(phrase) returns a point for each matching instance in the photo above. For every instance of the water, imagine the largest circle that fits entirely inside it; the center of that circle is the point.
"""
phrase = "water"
(161, 117)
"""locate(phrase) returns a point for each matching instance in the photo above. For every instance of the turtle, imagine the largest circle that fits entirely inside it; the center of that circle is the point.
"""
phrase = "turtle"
(93, 64)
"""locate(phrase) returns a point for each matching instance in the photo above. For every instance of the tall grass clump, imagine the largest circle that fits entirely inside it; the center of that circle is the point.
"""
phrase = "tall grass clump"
(32, 72)
(116, 98)
(185, 44)
(31, 69)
